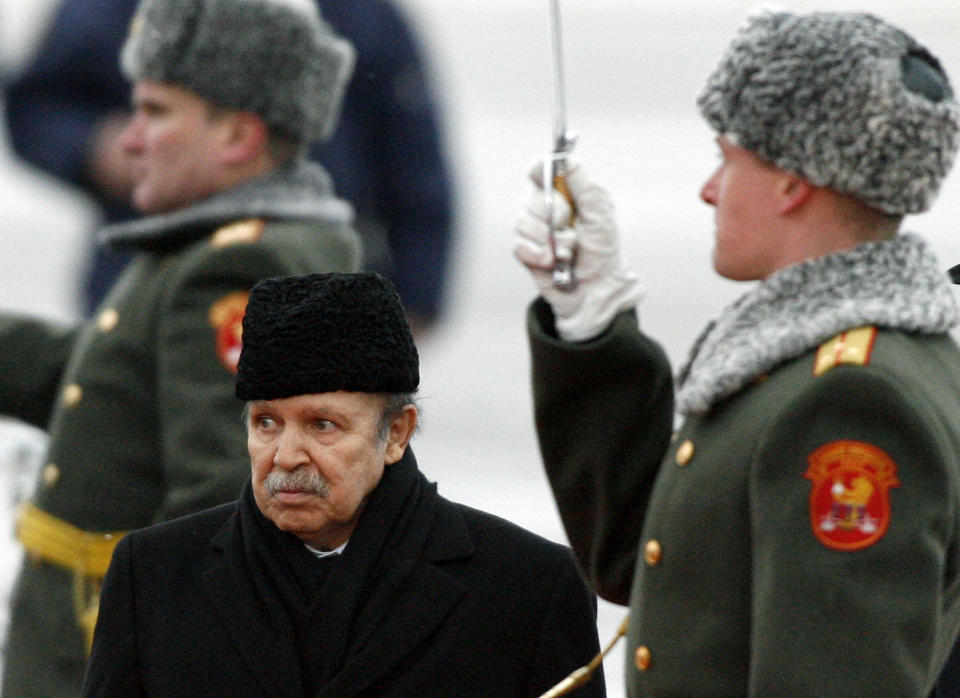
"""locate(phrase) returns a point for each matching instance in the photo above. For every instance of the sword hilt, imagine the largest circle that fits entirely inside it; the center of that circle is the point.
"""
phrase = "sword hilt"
(564, 278)
(555, 174)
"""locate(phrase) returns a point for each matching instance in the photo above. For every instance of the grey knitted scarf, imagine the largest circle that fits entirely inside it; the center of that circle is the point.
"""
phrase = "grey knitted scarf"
(300, 191)
(893, 284)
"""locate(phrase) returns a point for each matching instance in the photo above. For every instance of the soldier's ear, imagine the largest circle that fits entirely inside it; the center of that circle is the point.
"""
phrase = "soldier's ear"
(793, 192)
(245, 139)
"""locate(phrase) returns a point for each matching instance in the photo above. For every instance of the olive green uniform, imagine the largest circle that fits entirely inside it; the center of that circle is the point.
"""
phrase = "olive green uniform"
(799, 535)
(139, 404)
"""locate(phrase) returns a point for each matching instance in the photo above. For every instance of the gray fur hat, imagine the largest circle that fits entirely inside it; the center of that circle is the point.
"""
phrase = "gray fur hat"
(276, 58)
(844, 100)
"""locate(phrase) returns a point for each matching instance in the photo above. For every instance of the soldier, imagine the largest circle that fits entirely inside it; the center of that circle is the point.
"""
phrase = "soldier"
(798, 535)
(340, 571)
(138, 403)
(386, 155)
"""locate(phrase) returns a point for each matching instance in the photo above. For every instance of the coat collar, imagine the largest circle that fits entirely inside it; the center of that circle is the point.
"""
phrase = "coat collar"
(299, 191)
(414, 596)
(895, 284)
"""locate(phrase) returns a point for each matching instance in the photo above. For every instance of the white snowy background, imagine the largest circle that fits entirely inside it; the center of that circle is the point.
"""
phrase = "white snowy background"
(633, 69)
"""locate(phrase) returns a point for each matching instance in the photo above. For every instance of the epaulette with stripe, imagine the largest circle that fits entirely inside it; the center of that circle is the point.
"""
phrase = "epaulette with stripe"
(852, 347)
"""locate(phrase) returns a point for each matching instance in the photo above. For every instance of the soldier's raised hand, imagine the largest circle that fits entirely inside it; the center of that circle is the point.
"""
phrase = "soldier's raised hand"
(605, 286)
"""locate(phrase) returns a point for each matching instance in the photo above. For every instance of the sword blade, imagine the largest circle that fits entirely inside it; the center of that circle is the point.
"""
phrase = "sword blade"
(557, 83)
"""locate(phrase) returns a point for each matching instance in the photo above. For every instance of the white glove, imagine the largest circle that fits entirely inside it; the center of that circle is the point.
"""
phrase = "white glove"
(605, 286)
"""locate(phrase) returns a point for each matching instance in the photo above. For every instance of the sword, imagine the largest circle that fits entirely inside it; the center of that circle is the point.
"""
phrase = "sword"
(555, 164)
(585, 673)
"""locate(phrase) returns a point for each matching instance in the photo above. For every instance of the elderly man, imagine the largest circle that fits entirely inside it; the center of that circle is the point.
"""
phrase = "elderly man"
(799, 534)
(340, 571)
(138, 403)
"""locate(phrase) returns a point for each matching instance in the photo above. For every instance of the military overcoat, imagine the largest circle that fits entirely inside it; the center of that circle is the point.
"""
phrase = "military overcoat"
(798, 536)
(138, 402)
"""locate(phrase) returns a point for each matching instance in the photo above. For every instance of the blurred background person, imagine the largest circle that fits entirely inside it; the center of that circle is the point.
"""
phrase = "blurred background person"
(67, 107)
(138, 403)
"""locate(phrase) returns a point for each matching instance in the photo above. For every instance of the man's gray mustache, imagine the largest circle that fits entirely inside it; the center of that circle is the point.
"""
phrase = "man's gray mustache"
(302, 479)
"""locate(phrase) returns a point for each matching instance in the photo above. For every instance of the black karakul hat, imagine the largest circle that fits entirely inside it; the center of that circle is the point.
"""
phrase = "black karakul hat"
(322, 333)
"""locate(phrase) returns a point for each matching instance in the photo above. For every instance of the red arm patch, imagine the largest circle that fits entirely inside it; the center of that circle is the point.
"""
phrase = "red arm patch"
(226, 316)
(849, 500)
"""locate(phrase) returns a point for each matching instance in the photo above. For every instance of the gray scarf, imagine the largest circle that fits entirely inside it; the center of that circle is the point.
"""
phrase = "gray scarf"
(895, 284)
(300, 191)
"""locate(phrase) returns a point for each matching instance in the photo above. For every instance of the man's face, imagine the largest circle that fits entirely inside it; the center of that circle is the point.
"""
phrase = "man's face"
(315, 459)
(173, 141)
(742, 190)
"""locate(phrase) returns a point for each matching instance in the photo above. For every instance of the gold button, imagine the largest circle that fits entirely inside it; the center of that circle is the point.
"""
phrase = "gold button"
(72, 395)
(108, 319)
(685, 452)
(652, 552)
(642, 658)
(50, 474)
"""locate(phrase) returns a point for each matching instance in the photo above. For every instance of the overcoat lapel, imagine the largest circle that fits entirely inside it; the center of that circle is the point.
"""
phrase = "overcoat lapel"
(412, 600)
(428, 598)
(262, 636)
(409, 598)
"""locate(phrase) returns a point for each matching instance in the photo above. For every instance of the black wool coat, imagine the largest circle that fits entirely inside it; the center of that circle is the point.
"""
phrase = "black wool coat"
(465, 604)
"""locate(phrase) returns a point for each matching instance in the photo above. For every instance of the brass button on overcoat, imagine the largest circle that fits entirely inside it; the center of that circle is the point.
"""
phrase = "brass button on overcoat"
(72, 395)
(50, 474)
(652, 552)
(642, 658)
(107, 320)
(685, 452)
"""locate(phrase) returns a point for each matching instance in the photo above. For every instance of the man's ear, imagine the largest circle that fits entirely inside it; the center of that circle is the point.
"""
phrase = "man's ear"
(245, 139)
(793, 192)
(401, 429)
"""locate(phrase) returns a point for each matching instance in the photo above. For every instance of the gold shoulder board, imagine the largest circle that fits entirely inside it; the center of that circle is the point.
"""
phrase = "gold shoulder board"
(248, 230)
(850, 347)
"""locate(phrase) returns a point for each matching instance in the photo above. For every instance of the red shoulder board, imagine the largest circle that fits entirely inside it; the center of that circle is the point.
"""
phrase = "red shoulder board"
(226, 316)
(849, 501)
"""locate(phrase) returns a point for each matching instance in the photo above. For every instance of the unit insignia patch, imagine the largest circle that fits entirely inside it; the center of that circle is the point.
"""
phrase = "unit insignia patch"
(226, 316)
(849, 501)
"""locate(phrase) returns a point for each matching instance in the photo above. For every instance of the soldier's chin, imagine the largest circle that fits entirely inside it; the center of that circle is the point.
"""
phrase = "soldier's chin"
(142, 204)
(149, 205)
